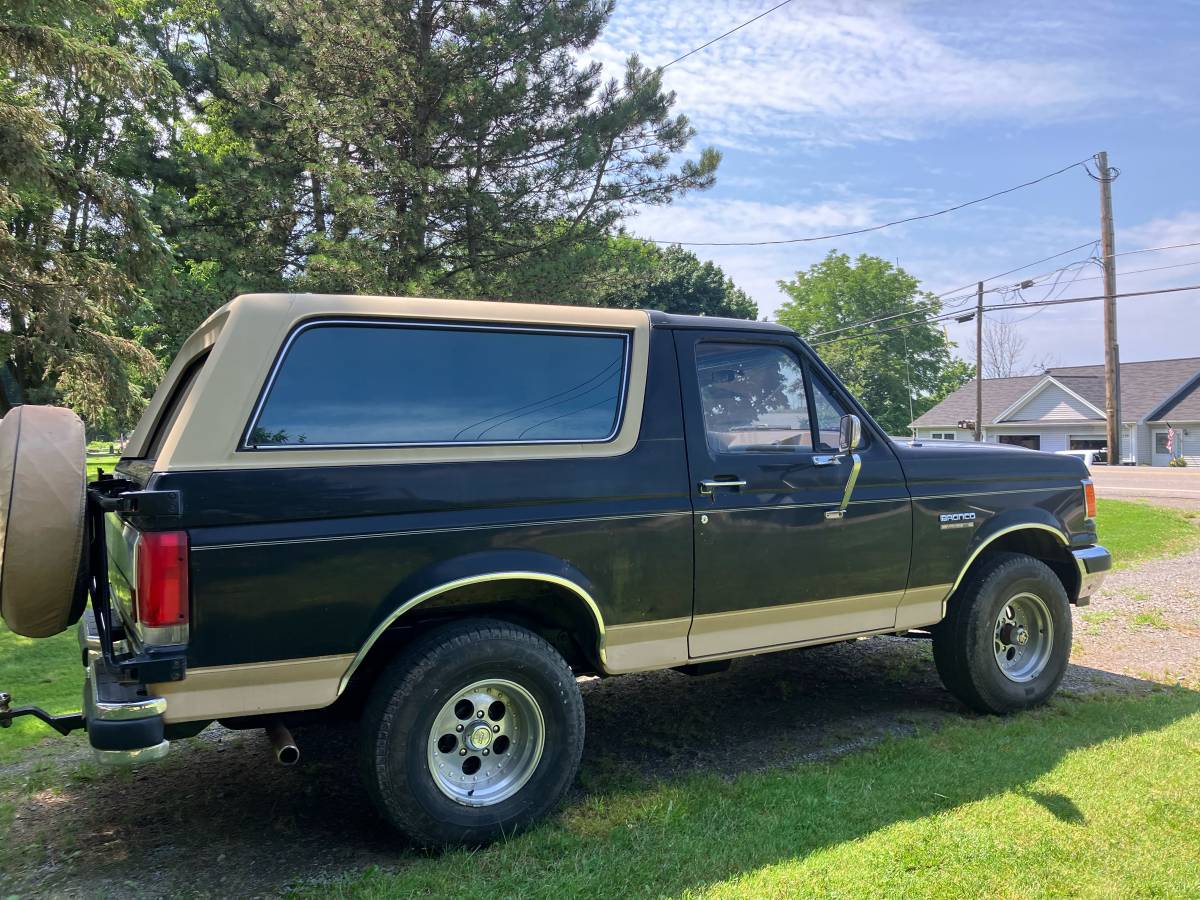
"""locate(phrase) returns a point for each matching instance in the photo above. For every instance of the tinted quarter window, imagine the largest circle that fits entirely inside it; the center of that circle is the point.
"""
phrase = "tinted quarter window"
(370, 384)
(753, 398)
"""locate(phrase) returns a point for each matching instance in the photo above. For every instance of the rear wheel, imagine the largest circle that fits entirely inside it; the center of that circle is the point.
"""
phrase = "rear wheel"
(1006, 638)
(474, 732)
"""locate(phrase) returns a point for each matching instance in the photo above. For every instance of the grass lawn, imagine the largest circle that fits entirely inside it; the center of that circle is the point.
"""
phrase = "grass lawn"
(1135, 531)
(38, 672)
(108, 463)
(1092, 798)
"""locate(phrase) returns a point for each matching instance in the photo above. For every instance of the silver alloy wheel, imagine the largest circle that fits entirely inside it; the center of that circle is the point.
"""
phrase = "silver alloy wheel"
(1024, 637)
(486, 742)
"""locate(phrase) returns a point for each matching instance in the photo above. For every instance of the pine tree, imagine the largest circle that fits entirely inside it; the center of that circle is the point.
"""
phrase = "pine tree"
(76, 101)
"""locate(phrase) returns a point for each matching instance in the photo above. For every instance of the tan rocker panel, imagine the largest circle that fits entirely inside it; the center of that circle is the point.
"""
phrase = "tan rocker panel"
(243, 339)
(645, 645)
(253, 688)
(816, 621)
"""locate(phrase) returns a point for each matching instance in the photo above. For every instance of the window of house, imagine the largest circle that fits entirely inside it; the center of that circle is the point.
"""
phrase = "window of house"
(1160, 443)
(941, 436)
(1088, 443)
(1028, 441)
(347, 384)
(753, 398)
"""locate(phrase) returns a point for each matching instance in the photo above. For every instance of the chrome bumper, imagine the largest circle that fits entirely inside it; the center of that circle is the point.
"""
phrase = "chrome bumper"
(1093, 563)
(124, 724)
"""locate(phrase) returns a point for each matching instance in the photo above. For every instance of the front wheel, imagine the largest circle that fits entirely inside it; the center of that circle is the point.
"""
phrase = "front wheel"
(1006, 638)
(474, 732)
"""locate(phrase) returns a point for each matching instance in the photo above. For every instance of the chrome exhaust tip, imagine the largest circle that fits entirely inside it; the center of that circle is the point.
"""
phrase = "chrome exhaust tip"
(286, 751)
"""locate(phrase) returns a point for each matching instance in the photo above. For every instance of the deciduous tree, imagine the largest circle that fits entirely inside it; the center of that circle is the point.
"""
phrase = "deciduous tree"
(897, 372)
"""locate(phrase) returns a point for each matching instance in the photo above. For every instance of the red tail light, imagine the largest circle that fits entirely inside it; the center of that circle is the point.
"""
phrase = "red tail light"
(162, 578)
(1089, 496)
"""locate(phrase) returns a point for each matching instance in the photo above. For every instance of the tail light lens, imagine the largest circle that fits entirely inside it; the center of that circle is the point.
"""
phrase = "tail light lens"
(162, 579)
(1089, 497)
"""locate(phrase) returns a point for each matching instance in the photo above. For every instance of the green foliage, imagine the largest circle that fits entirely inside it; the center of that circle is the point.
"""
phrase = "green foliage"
(886, 369)
(158, 157)
(675, 280)
(79, 106)
(417, 148)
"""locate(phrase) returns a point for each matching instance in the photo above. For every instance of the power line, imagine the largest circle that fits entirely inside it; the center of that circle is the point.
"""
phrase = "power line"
(703, 46)
(1097, 260)
(723, 36)
(998, 306)
(1036, 262)
(1050, 294)
(1154, 249)
(1195, 262)
(840, 234)
(917, 309)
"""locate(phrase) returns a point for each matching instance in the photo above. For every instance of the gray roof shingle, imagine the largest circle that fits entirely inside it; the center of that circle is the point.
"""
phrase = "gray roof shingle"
(1145, 387)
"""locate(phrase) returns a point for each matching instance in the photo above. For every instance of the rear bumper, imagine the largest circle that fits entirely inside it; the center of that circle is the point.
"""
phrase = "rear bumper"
(124, 721)
(1093, 563)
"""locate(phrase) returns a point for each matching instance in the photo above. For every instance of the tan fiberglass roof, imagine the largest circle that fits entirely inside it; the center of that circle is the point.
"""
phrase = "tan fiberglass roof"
(243, 338)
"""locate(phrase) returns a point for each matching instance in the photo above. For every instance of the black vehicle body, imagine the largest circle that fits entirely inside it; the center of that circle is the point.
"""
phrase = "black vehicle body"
(668, 554)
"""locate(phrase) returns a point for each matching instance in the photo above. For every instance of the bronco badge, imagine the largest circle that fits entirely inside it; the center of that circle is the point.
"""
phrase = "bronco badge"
(957, 520)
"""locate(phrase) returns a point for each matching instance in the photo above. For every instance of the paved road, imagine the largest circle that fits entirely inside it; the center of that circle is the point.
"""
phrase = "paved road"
(1146, 483)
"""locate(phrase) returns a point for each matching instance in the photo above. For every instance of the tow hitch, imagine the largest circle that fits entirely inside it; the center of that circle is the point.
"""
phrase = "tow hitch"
(64, 725)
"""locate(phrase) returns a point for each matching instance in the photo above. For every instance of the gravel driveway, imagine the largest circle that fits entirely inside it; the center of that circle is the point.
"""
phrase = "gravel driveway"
(217, 818)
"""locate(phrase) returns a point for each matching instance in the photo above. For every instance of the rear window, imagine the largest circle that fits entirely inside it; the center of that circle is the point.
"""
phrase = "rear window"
(352, 384)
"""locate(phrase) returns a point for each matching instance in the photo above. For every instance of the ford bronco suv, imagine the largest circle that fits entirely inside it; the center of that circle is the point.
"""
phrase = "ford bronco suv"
(431, 516)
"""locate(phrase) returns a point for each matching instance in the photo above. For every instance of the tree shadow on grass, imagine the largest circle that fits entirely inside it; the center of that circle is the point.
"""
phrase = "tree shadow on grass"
(218, 818)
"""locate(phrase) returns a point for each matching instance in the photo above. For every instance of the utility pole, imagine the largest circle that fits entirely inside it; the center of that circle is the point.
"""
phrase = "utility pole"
(979, 362)
(1112, 357)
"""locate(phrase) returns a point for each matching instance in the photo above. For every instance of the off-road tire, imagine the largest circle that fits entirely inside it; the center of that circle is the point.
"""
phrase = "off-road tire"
(963, 643)
(401, 710)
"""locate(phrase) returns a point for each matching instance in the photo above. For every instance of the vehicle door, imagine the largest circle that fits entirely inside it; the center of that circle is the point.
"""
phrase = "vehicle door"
(784, 552)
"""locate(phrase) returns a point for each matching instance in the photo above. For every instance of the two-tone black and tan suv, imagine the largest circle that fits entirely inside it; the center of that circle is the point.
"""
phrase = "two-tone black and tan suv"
(434, 515)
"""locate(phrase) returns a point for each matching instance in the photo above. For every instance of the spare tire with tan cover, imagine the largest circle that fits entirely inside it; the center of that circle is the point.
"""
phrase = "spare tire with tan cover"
(43, 471)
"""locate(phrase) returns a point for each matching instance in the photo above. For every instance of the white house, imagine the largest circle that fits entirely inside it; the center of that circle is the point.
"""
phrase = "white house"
(1063, 409)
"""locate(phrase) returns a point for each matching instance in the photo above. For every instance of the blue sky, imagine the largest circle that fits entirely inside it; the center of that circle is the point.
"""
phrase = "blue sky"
(838, 115)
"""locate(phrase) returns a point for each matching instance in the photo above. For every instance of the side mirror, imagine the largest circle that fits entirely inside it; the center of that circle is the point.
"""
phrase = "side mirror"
(849, 433)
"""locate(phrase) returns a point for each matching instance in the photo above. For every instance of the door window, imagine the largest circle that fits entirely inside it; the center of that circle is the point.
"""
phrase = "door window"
(753, 398)
(1160, 443)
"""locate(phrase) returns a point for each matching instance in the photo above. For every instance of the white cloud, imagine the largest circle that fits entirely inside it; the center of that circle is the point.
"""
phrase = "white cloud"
(825, 72)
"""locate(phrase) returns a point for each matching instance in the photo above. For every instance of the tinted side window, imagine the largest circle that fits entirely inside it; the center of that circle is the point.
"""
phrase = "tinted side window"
(753, 398)
(370, 384)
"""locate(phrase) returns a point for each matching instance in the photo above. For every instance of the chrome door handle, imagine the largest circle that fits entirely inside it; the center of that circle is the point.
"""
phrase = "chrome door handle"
(708, 485)
(829, 459)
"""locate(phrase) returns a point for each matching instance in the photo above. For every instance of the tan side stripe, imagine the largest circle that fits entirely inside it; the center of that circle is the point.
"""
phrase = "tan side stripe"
(646, 645)
(254, 688)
